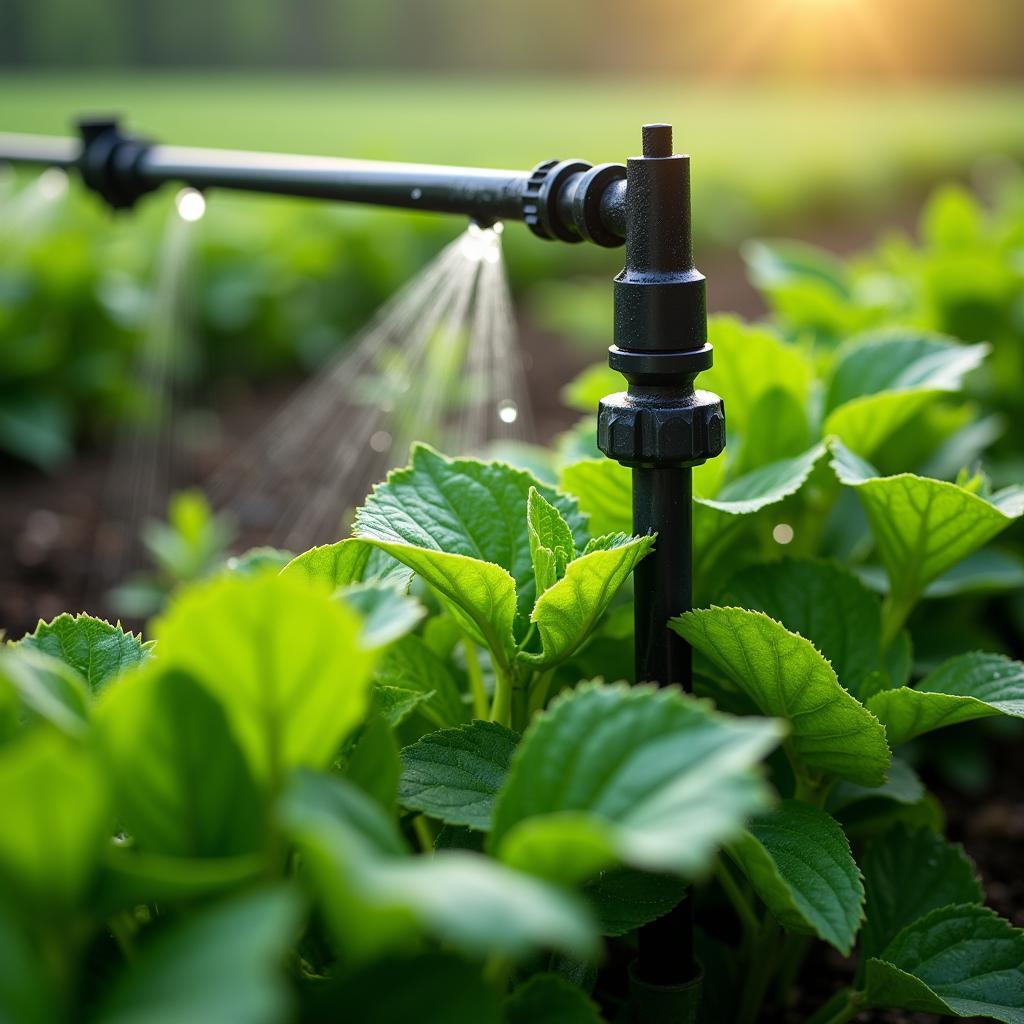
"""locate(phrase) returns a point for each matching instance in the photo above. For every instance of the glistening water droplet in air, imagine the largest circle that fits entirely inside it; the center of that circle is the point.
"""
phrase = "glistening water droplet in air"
(190, 203)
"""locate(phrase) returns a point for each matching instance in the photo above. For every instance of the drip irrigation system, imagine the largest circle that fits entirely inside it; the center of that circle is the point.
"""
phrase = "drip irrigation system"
(661, 426)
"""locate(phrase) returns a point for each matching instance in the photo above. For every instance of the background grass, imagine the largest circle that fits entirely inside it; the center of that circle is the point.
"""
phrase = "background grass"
(756, 148)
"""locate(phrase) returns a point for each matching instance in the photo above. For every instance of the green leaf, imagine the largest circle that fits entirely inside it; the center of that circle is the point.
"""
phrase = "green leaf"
(45, 688)
(962, 960)
(605, 493)
(388, 614)
(55, 820)
(765, 486)
(967, 687)
(179, 777)
(907, 874)
(480, 595)
(798, 860)
(768, 485)
(864, 423)
(223, 964)
(786, 677)
(430, 988)
(662, 779)
(465, 518)
(824, 603)
(625, 899)
(411, 665)
(922, 527)
(129, 878)
(883, 381)
(331, 565)
(372, 762)
(902, 786)
(751, 360)
(26, 993)
(567, 612)
(375, 898)
(586, 390)
(454, 775)
(899, 361)
(282, 657)
(550, 999)
(551, 541)
(774, 262)
(95, 649)
(395, 703)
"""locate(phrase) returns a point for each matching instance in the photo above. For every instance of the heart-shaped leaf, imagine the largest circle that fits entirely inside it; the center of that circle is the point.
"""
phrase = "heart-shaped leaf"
(786, 677)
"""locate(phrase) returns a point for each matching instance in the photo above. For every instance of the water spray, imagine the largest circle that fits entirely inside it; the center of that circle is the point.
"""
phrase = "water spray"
(661, 426)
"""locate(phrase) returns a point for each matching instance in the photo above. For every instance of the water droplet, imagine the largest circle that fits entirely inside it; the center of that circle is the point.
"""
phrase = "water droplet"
(783, 533)
(416, 193)
(508, 411)
(53, 183)
(380, 441)
(190, 203)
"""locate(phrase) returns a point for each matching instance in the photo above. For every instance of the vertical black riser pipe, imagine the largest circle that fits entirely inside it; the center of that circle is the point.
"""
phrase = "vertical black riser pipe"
(661, 427)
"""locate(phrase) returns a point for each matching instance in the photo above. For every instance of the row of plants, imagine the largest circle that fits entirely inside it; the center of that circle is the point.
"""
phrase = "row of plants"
(276, 286)
(257, 289)
(406, 774)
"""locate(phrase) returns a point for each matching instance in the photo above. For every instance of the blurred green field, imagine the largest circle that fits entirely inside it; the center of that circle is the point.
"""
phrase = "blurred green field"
(756, 148)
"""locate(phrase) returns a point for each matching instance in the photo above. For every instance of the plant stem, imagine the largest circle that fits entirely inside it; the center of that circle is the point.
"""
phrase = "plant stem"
(423, 836)
(497, 970)
(739, 901)
(476, 679)
(849, 1009)
(794, 951)
(501, 708)
(538, 691)
(894, 614)
(122, 927)
(761, 966)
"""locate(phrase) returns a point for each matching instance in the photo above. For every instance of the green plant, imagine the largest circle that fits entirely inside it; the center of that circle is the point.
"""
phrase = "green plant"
(222, 822)
(188, 546)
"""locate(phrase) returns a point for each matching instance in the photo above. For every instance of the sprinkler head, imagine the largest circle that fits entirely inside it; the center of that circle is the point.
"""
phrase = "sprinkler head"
(660, 323)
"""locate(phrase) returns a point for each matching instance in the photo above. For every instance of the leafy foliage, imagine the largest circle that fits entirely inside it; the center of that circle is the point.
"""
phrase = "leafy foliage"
(390, 775)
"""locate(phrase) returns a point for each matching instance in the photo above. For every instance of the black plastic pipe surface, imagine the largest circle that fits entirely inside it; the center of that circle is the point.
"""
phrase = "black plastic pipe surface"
(567, 200)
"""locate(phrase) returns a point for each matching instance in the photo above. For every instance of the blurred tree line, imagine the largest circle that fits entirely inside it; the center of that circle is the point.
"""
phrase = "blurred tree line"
(924, 39)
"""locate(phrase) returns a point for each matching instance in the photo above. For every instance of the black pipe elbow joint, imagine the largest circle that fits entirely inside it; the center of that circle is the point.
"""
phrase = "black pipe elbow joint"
(660, 323)
(109, 162)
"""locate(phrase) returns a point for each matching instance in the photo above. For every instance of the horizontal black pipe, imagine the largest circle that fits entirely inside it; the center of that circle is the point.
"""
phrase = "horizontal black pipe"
(557, 200)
